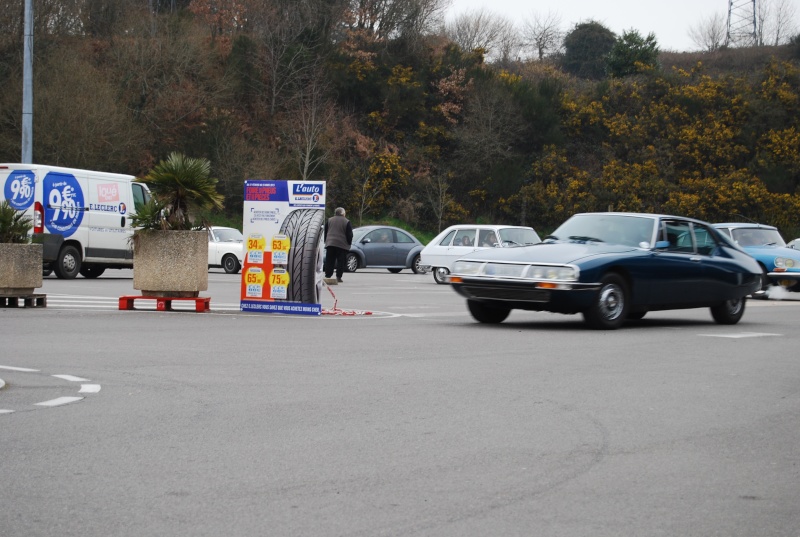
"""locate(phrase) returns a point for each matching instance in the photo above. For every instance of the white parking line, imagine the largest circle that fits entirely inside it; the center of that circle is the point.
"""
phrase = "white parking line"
(59, 401)
(71, 378)
(742, 335)
(89, 388)
(23, 369)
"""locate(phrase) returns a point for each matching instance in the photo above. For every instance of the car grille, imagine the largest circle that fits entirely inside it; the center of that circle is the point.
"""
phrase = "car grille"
(495, 293)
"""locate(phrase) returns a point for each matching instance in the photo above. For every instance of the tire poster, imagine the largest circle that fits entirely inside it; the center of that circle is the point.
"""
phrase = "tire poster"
(283, 225)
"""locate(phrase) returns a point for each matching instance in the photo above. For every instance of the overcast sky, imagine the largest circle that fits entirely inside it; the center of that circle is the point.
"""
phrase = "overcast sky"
(668, 20)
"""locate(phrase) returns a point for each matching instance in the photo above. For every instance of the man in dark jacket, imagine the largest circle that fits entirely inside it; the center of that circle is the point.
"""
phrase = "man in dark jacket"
(338, 238)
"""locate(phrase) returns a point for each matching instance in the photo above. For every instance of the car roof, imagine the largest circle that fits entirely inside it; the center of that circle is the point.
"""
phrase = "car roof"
(492, 226)
(744, 225)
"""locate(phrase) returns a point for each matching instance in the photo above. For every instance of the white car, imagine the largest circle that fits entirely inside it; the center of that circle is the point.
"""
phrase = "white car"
(225, 248)
(794, 243)
(457, 241)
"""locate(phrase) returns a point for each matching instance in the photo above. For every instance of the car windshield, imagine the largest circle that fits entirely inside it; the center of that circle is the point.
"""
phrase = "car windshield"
(519, 236)
(752, 236)
(611, 228)
(228, 235)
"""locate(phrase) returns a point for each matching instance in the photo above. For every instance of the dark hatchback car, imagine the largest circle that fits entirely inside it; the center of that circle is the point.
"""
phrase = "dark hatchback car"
(384, 247)
(612, 267)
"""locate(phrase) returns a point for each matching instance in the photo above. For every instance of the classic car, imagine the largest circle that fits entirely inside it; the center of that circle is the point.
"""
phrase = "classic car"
(780, 265)
(225, 248)
(459, 240)
(612, 267)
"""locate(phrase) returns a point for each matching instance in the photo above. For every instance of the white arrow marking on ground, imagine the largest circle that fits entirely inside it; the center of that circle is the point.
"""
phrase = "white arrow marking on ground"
(89, 388)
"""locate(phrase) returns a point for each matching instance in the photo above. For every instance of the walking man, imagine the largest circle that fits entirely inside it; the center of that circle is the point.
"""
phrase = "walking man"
(338, 238)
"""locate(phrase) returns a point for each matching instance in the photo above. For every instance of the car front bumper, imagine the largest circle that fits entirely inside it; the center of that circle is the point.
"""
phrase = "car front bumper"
(569, 297)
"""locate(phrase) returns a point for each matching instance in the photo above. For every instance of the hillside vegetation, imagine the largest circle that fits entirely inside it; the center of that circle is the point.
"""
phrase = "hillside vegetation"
(400, 121)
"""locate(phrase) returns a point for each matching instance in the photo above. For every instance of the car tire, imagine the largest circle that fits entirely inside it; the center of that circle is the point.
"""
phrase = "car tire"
(394, 270)
(351, 262)
(304, 229)
(68, 263)
(487, 314)
(729, 312)
(611, 305)
(415, 265)
(92, 271)
(230, 264)
(440, 275)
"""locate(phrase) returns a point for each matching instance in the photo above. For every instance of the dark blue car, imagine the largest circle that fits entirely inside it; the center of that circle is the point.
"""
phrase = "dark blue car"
(612, 267)
(780, 265)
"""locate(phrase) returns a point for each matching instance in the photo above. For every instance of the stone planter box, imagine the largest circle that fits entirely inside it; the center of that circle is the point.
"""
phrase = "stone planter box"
(170, 263)
(20, 268)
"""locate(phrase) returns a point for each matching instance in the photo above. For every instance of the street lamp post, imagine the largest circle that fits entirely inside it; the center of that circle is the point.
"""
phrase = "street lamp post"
(27, 87)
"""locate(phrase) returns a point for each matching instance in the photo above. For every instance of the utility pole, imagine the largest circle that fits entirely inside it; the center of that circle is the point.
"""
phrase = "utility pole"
(741, 23)
(27, 87)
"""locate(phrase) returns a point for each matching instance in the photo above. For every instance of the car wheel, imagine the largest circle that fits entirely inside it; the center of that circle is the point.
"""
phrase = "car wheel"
(231, 264)
(394, 270)
(415, 265)
(68, 263)
(92, 271)
(729, 312)
(440, 274)
(610, 308)
(485, 313)
(304, 229)
(351, 263)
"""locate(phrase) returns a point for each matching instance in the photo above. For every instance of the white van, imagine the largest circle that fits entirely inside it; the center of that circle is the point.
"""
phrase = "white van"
(82, 217)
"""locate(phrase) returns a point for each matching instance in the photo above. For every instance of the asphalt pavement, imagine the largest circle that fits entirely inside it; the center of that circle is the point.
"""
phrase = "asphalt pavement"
(401, 417)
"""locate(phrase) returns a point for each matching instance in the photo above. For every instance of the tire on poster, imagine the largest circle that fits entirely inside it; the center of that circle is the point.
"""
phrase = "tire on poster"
(304, 227)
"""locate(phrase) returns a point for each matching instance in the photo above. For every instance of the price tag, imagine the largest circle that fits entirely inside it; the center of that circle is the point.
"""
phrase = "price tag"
(255, 278)
(256, 241)
(280, 249)
(278, 283)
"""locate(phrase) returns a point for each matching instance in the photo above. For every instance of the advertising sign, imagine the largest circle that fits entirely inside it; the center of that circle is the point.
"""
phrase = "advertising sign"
(282, 228)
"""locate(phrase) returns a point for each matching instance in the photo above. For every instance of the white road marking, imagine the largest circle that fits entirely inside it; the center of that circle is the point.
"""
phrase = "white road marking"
(2, 411)
(59, 401)
(23, 369)
(742, 335)
(71, 378)
(89, 388)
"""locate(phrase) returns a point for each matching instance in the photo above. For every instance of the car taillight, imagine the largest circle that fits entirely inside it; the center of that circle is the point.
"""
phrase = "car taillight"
(38, 218)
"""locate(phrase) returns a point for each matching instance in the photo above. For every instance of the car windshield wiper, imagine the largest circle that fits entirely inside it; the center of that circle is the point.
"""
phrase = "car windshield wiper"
(586, 239)
(551, 237)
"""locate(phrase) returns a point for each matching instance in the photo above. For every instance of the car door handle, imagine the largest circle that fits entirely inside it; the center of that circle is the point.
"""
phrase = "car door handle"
(695, 259)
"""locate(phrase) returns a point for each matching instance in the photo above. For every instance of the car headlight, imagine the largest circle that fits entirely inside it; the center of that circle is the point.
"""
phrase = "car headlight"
(468, 268)
(785, 262)
(563, 273)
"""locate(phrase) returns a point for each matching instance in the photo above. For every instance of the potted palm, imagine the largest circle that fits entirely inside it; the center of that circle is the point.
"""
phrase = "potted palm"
(170, 249)
(20, 261)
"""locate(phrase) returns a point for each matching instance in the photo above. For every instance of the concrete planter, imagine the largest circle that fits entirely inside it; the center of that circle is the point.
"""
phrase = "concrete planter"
(170, 263)
(20, 268)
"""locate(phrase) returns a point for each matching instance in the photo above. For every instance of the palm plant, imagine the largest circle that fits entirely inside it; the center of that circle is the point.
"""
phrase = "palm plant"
(181, 186)
(14, 225)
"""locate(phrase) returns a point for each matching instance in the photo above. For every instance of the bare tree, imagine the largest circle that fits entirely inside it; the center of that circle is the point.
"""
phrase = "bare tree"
(775, 21)
(309, 124)
(481, 29)
(709, 33)
(437, 192)
(543, 33)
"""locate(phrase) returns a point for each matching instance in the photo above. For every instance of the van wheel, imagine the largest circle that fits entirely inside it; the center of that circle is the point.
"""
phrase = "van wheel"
(230, 264)
(304, 229)
(68, 264)
(92, 271)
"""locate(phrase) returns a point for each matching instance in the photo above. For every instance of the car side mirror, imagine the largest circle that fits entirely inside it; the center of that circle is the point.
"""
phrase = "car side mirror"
(365, 241)
(662, 245)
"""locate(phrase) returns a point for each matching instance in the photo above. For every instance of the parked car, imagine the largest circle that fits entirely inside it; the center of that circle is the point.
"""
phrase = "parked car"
(225, 248)
(612, 267)
(459, 240)
(780, 265)
(794, 244)
(384, 247)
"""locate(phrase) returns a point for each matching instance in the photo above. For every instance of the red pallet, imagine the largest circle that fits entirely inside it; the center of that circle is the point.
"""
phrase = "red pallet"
(202, 304)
